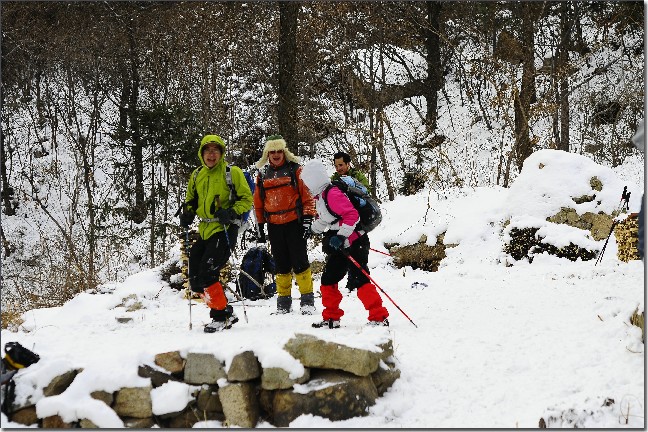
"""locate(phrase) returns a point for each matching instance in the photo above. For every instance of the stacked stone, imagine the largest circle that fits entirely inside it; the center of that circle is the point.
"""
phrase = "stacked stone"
(338, 383)
(626, 233)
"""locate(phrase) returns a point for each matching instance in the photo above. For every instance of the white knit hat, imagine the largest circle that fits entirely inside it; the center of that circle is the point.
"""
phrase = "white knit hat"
(314, 176)
(273, 143)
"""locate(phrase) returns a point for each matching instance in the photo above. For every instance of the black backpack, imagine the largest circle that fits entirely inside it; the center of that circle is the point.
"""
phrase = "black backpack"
(367, 207)
(17, 357)
(257, 262)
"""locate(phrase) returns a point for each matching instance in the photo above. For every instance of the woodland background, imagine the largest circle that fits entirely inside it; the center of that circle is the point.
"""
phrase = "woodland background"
(103, 105)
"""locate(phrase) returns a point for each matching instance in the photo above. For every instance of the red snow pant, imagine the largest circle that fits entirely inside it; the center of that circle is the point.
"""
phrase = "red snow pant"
(337, 265)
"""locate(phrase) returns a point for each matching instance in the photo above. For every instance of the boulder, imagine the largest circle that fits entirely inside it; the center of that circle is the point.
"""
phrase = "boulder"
(60, 383)
(240, 404)
(316, 353)
(275, 378)
(244, 367)
(330, 394)
(157, 377)
(25, 416)
(103, 396)
(56, 422)
(384, 377)
(207, 399)
(139, 423)
(134, 402)
(171, 361)
(203, 369)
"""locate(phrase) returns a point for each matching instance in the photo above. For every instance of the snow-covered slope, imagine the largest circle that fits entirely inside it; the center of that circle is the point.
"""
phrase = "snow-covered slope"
(493, 347)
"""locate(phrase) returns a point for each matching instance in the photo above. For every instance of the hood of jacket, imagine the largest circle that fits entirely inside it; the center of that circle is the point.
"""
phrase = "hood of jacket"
(315, 177)
(212, 139)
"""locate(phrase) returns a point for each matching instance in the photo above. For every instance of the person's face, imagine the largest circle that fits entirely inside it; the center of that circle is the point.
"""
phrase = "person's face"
(211, 155)
(276, 157)
(341, 167)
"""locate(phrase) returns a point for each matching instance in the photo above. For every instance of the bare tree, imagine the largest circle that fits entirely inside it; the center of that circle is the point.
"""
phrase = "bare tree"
(287, 57)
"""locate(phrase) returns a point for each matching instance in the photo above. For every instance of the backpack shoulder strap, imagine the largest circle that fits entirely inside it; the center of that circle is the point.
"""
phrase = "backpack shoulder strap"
(194, 176)
(228, 180)
(325, 199)
(259, 185)
(342, 185)
(293, 174)
(294, 166)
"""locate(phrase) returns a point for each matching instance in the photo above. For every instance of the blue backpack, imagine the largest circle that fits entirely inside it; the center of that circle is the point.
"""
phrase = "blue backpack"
(233, 197)
(367, 207)
(257, 262)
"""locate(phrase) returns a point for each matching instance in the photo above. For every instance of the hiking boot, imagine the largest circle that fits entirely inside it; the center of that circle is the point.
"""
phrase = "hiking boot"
(216, 326)
(307, 304)
(284, 305)
(383, 323)
(329, 323)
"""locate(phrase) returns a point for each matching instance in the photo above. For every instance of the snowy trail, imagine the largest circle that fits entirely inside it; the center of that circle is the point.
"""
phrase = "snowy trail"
(492, 349)
(495, 347)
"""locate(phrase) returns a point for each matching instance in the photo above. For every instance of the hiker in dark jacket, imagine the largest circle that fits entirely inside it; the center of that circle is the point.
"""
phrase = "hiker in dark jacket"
(342, 164)
(210, 198)
(282, 201)
(342, 238)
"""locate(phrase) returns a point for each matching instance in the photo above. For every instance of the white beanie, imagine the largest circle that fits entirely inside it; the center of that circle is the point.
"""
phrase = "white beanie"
(315, 177)
(276, 142)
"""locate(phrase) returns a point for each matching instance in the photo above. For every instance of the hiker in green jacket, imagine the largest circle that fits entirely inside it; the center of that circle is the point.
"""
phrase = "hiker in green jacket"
(342, 163)
(218, 207)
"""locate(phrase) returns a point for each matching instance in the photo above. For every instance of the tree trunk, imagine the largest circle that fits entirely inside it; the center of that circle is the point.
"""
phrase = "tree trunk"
(563, 65)
(287, 94)
(526, 94)
(434, 64)
(7, 190)
(138, 211)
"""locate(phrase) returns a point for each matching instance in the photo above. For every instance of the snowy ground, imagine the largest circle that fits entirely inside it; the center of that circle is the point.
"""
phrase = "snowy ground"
(494, 346)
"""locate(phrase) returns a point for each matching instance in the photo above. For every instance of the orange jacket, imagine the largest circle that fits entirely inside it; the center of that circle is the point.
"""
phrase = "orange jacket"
(281, 201)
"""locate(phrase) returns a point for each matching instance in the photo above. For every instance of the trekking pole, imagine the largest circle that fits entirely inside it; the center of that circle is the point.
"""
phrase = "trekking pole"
(600, 257)
(624, 203)
(229, 246)
(384, 253)
(376, 284)
(189, 292)
(254, 281)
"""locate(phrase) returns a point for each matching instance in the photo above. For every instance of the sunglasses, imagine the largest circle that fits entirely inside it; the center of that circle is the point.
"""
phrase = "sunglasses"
(275, 151)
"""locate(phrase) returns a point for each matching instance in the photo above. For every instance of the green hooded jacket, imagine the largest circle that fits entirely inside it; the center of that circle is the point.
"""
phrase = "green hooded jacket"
(356, 174)
(210, 183)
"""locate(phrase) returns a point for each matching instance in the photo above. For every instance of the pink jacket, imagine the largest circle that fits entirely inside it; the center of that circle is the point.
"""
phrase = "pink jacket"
(340, 204)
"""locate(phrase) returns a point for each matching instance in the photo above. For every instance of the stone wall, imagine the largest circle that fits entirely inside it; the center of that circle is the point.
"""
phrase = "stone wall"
(339, 382)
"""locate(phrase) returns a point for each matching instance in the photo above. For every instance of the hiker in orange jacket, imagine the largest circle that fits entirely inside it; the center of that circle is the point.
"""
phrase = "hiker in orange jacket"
(283, 203)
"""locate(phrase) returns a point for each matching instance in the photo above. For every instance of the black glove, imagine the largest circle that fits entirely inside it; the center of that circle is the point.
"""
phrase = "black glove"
(187, 218)
(307, 221)
(226, 216)
(197, 289)
(337, 242)
(262, 237)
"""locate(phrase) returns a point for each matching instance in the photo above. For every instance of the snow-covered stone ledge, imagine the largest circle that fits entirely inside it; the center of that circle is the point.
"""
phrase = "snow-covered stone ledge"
(338, 382)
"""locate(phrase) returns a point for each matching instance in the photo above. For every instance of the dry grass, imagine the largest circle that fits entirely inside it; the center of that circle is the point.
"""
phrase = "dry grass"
(11, 320)
(637, 319)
